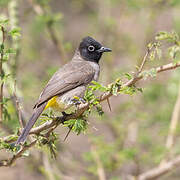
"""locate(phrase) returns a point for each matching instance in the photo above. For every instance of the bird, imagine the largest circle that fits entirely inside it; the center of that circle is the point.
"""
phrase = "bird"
(70, 81)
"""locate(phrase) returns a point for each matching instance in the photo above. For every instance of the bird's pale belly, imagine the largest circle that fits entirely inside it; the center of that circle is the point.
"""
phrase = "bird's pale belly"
(64, 102)
(58, 104)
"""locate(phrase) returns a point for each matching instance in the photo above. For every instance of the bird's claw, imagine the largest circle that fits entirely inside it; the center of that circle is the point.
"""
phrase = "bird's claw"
(77, 100)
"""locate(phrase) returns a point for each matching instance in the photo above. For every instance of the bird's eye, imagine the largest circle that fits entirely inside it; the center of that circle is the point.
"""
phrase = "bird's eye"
(91, 48)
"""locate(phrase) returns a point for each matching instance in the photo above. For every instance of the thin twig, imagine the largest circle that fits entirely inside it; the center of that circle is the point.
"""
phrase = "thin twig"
(18, 107)
(10, 161)
(70, 128)
(109, 105)
(144, 61)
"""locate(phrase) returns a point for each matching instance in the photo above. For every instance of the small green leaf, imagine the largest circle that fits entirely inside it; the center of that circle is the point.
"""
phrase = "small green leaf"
(10, 51)
(128, 76)
(26, 153)
(152, 55)
(170, 36)
(159, 53)
(173, 51)
(15, 32)
(4, 22)
(77, 125)
(152, 73)
(1, 48)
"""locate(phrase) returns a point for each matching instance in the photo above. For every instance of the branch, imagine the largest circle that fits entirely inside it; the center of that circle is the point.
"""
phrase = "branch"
(172, 128)
(161, 170)
(82, 108)
(100, 168)
(10, 161)
(18, 108)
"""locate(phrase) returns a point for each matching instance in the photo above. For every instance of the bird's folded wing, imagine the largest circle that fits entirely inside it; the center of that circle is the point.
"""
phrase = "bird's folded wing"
(68, 77)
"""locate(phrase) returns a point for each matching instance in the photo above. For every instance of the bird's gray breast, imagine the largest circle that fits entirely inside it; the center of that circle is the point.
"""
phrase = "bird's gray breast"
(96, 68)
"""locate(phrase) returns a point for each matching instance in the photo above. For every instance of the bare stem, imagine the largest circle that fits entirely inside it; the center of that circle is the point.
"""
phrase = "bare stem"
(18, 107)
(161, 170)
(100, 168)
(144, 61)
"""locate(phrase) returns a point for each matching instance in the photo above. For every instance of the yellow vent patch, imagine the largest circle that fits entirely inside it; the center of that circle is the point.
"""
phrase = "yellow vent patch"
(52, 103)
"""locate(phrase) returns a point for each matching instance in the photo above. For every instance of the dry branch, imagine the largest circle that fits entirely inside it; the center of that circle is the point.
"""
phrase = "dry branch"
(161, 170)
(172, 129)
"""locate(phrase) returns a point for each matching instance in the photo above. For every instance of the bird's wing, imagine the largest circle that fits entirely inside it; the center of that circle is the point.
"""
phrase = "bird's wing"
(68, 77)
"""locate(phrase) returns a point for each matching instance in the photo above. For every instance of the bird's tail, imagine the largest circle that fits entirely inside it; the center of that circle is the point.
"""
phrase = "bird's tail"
(31, 122)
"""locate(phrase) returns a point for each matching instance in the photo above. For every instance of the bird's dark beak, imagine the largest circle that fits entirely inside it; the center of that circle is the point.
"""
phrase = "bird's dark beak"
(104, 49)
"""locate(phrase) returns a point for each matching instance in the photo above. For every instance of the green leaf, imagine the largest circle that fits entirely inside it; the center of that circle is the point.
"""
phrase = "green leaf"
(152, 55)
(140, 90)
(97, 86)
(170, 36)
(152, 73)
(173, 51)
(10, 51)
(1, 48)
(99, 109)
(159, 53)
(4, 22)
(15, 32)
(128, 90)
(26, 153)
(77, 125)
(128, 76)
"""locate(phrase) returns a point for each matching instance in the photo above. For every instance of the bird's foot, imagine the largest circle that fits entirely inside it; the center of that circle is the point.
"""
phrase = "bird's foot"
(77, 101)
(63, 118)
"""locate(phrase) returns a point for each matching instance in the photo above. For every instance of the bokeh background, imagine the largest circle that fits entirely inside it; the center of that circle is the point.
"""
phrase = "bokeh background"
(126, 141)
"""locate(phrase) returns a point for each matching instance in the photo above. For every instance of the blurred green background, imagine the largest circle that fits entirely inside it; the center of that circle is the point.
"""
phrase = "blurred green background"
(131, 138)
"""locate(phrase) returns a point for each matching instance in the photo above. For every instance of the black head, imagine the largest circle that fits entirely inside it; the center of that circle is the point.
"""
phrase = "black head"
(91, 50)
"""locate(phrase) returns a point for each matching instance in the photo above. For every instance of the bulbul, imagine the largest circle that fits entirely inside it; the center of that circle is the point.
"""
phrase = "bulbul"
(68, 82)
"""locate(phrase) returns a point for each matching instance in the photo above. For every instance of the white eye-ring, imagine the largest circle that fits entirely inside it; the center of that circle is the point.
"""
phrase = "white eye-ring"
(91, 48)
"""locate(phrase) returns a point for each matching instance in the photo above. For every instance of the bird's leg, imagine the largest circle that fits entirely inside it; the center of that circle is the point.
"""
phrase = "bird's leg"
(63, 118)
(65, 114)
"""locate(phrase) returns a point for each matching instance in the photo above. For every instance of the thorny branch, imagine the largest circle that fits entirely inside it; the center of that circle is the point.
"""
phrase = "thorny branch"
(83, 107)
(52, 124)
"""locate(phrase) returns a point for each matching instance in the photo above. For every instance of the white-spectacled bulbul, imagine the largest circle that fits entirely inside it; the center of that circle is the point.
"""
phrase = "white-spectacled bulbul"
(68, 82)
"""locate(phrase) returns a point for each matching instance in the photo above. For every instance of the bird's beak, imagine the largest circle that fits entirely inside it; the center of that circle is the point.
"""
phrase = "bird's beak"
(104, 49)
